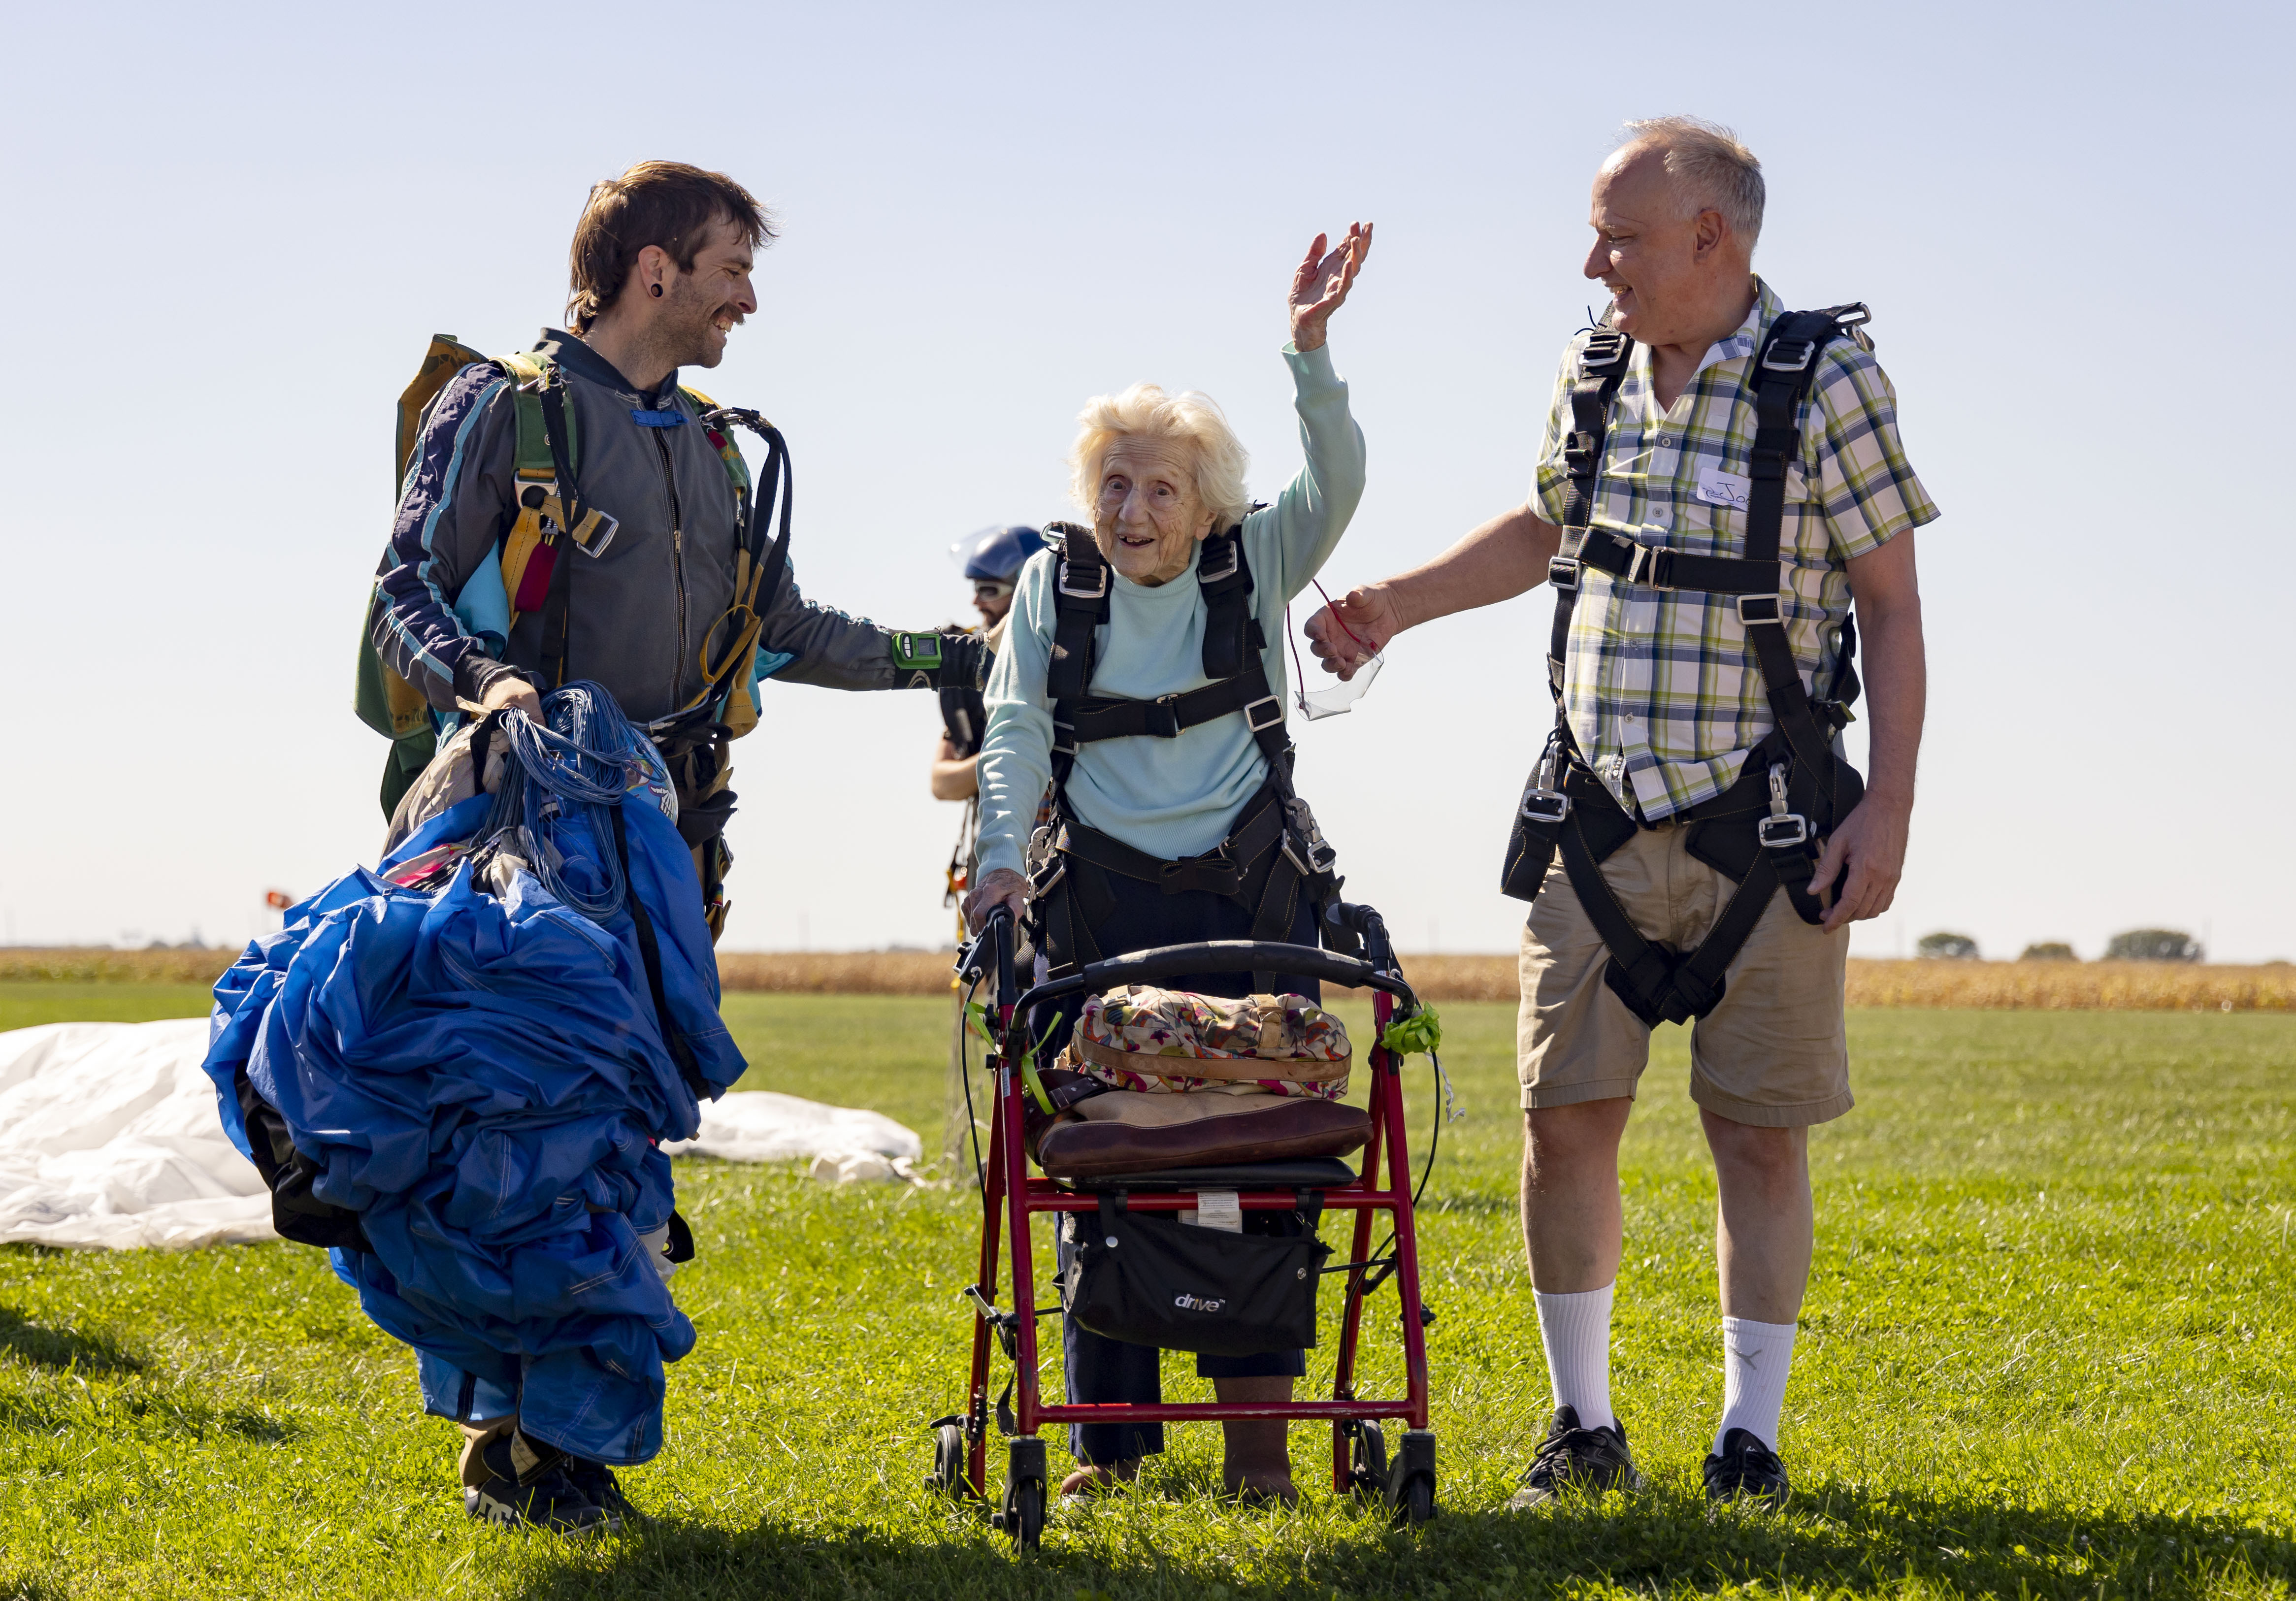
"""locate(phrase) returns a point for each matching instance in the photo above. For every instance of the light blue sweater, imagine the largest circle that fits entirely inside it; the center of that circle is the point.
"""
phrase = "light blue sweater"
(1167, 797)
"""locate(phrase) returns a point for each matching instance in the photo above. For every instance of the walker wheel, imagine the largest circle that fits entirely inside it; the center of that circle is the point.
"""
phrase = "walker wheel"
(951, 1465)
(1366, 1457)
(1410, 1480)
(1023, 1516)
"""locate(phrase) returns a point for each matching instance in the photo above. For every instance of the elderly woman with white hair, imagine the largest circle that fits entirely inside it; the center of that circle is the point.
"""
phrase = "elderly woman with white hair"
(1142, 678)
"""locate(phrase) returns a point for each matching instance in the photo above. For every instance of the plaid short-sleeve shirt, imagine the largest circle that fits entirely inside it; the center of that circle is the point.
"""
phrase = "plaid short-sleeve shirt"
(1662, 691)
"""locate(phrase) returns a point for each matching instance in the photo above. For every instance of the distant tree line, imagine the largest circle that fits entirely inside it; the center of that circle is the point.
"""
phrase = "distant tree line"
(2135, 945)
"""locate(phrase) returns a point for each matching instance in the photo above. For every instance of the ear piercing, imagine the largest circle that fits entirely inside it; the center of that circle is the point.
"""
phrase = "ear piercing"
(654, 289)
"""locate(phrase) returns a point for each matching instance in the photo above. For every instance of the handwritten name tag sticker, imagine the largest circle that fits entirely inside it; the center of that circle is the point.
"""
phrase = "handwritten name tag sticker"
(1718, 488)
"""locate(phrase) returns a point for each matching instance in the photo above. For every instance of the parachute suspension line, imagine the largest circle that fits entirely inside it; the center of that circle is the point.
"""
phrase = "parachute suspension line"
(578, 760)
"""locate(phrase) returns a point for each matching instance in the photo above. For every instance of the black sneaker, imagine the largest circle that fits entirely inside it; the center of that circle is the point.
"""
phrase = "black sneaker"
(598, 1483)
(1747, 1467)
(540, 1496)
(1571, 1457)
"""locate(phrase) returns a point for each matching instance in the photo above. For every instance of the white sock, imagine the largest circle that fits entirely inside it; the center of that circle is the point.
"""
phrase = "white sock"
(1576, 1330)
(1755, 1357)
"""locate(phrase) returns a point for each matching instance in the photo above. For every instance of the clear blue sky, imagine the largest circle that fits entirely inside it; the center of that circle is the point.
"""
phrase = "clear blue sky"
(230, 232)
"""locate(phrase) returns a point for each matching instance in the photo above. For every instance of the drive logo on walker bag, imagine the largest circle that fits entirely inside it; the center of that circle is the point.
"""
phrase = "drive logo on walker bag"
(1196, 1303)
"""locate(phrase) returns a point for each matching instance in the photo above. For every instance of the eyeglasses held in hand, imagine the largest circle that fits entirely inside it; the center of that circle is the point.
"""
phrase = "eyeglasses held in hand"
(1339, 697)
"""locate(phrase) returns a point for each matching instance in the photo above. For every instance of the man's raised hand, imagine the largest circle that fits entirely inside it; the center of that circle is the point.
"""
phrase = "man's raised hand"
(1354, 628)
(1320, 287)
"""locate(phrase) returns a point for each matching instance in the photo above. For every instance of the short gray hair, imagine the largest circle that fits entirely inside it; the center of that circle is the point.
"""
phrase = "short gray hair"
(1191, 418)
(1710, 167)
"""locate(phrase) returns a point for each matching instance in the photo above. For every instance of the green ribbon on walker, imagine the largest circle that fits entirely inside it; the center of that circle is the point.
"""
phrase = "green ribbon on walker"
(1416, 1032)
(976, 1019)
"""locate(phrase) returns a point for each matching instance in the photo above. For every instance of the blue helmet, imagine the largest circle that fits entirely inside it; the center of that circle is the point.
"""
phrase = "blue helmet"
(998, 553)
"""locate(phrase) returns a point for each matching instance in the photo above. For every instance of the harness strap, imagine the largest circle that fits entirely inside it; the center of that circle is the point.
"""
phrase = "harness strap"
(558, 601)
(1603, 363)
(1166, 716)
(1221, 870)
(1661, 569)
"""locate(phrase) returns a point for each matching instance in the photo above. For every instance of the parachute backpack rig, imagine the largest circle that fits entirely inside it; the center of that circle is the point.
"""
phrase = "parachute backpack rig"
(552, 515)
(1765, 832)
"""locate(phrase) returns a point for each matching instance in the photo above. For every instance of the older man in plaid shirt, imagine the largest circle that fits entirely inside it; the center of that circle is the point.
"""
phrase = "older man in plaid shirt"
(1663, 694)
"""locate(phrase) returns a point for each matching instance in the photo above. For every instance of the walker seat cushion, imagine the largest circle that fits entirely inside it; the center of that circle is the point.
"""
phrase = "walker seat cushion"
(1138, 1131)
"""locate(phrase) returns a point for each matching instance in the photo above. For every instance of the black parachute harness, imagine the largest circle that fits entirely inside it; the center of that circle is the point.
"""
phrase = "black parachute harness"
(692, 741)
(1766, 830)
(1275, 853)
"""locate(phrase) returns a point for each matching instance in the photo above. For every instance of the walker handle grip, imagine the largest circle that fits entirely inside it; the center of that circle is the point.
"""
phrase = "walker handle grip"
(1220, 956)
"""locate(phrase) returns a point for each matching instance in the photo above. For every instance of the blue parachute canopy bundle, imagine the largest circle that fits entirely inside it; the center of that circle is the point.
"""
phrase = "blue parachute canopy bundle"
(470, 1045)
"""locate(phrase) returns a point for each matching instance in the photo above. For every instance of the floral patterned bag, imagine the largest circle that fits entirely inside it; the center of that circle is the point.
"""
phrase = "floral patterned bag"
(1170, 1041)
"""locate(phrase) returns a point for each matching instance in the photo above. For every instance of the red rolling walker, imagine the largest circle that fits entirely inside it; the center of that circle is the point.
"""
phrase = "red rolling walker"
(1010, 1198)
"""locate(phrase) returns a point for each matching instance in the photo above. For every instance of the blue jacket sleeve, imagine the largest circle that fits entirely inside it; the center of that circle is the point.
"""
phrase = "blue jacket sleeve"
(452, 509)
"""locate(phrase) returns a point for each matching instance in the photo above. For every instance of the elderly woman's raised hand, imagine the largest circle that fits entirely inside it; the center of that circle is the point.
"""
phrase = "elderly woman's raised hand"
(1320, 287)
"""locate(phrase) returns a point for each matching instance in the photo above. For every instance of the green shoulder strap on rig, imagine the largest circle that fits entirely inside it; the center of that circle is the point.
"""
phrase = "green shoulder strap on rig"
(385, 701)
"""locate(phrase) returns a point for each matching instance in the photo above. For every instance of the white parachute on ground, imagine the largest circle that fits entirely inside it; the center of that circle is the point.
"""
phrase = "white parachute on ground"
(108, 1139)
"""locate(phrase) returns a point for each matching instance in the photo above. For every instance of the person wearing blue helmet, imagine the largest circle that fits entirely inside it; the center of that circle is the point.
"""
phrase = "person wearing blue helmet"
(993, 560)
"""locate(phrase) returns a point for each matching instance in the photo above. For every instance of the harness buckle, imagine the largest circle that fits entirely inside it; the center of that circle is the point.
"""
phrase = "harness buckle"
(1562, 571)
(1603, 348)
(1789, 355)
(1064, 730)
(1782, 830)
(1775, 617)
(1232, 546)
(1163, 717)
(1542, 805)
(1099, 567)
(1780, 833)
(1275, 715)
(1650, 565)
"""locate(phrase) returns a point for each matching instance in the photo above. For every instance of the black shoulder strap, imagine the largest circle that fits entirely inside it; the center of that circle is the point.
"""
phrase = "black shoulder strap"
(1780, 375)
(1603, 363)
(1231, 632)
(1081, 581)
(558, 598)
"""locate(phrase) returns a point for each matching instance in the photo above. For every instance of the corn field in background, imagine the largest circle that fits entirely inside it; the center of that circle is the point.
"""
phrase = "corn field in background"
(1992, 986)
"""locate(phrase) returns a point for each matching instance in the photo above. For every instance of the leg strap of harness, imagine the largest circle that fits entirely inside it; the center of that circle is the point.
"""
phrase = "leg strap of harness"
(1657, 982)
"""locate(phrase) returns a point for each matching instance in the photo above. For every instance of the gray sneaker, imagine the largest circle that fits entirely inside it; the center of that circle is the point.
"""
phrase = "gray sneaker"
(1590, 1461)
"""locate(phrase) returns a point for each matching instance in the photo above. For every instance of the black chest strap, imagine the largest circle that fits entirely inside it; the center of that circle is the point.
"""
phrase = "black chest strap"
(1233, 642)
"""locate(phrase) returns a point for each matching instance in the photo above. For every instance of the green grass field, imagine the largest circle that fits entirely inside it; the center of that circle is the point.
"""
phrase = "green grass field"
(2047, 1351)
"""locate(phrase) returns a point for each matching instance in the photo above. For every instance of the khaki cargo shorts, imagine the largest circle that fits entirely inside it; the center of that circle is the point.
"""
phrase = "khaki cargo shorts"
(1772, 1054)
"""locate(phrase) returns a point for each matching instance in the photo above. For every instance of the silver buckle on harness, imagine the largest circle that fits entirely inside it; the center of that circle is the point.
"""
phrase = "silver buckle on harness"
(1562, 572)
(1777, 359)
(1781, 829)
(1778, 832)
(1276, 717)
(1642, 567)
(1234, 548)
(1546, 806)
(1748, 619)
(1068, 730)
(1101, 568)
